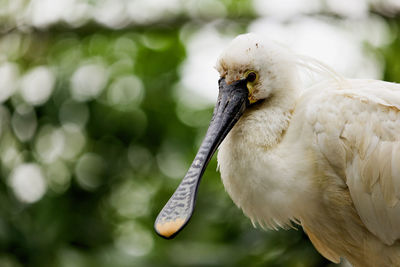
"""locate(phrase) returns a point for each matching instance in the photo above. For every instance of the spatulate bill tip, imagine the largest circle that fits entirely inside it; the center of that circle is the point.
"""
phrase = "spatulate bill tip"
(169, 229)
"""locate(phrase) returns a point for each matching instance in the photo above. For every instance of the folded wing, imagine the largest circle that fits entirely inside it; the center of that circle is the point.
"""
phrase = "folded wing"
(358, 131)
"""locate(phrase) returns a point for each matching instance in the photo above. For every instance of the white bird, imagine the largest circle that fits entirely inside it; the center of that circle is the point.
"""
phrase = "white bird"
(327, 158)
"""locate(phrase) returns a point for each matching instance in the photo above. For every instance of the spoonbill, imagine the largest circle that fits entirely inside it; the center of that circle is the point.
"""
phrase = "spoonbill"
(326, 157)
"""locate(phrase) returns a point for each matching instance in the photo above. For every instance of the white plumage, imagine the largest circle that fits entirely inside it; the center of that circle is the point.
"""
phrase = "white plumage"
(327, 157)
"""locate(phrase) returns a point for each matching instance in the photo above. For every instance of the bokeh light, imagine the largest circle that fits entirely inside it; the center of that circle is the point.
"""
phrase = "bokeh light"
(199, 77)
(9, 75)
(126, 91)
(74, 140)
(28, 182)
(132, 200)
(88, 170)
(49, 143)
(171, 161)
(37, 85)
(134, 239)
(58, 176)
(88, 81)
(286, 9)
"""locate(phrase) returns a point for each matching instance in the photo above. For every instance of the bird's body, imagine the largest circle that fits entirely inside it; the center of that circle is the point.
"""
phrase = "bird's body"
(327, 158)
(300, 165)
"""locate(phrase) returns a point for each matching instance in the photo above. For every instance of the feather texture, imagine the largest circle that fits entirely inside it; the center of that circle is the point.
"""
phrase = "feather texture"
(327, 157)
(369, 127)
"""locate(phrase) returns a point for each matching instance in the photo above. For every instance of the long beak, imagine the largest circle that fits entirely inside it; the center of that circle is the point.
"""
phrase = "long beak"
(232, 101)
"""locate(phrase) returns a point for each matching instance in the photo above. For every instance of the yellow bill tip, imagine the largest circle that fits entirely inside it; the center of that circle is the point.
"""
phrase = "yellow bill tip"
(170, 228)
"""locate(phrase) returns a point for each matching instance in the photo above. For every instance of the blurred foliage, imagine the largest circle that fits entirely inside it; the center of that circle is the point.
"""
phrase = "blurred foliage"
(391, 53)
(107, 142)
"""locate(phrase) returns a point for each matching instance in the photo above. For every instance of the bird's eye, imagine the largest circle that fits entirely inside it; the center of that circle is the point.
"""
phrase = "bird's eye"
(251, 77)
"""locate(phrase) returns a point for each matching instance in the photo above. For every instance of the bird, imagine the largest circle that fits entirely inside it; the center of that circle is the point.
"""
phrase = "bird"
(326, 156)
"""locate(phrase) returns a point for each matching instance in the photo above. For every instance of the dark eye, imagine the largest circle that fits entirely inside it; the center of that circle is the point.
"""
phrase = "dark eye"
(251, 77)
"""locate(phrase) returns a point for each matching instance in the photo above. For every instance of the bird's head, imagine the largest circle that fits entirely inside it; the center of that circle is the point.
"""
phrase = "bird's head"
(266, 67)
(251, 70)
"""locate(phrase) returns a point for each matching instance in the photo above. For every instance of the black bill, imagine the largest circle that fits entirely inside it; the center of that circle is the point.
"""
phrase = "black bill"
(232, 102)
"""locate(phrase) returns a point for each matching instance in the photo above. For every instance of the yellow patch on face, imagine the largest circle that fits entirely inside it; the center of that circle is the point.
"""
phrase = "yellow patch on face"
(252, 80)
(167, 229)
(251, 97)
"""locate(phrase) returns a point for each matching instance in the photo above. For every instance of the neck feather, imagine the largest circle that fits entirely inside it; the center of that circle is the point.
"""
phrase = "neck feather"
(265, 124)
(255, 166)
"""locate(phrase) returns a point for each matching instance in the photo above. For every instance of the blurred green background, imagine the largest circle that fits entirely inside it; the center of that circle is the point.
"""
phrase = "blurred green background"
(104, 103)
